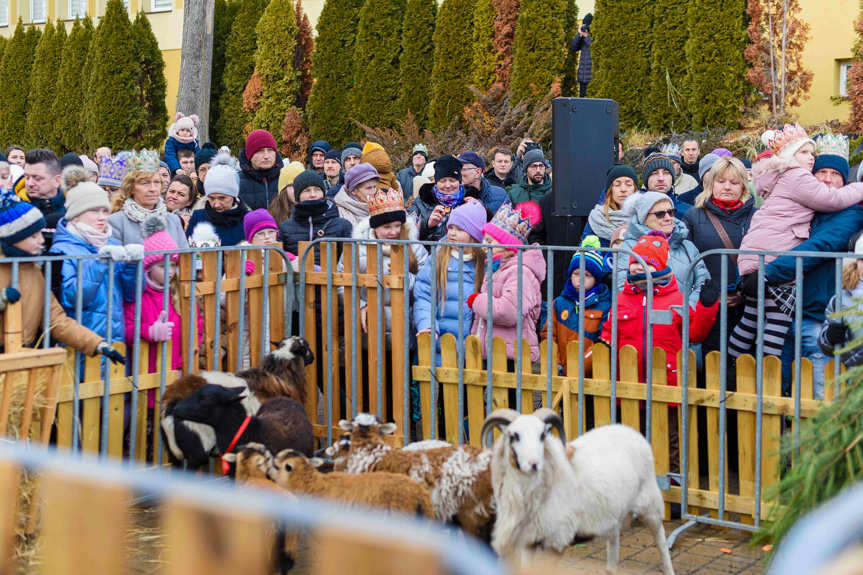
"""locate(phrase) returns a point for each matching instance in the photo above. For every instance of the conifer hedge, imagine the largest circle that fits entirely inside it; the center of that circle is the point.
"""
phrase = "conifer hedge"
(274, 64)
(70, 88)
(329, 108)
(40, 123)
(485, 57)
(16, 66)
(376, 79)
(666, 100)
(716, 66)
(239, 65)
(538, 52)
(451, 72)
(621, 56)
(224, 13)
(417, 59)
(303, 56)
(114, 108)
(152, 85)
(569, 84)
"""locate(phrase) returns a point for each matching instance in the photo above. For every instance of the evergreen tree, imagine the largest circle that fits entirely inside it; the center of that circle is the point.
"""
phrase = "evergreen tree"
(274, 64)
(504, 37)
(538, 52)
(329, 107)
(855, 80)
(417, 59)
(716, 69)
(666, 100)
(223, 17)
(376, 80)
(88, 83)
(239, 65)
(18, 64)
(485, 58)
(569, 85)
(621, 56)
(152, 85)
(451, 73)
(38, 131)
(114, 114)
(303, 56)
(71, 87)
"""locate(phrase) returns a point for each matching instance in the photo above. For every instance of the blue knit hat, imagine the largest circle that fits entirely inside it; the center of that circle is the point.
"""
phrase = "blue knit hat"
(18, 220)
(594, 264)
(832, 152)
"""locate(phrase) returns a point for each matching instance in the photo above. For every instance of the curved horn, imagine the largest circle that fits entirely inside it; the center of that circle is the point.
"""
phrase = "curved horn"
(551, 417)
(497, 418)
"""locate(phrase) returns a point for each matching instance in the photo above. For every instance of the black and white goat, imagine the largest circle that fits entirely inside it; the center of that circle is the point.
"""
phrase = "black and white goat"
(281, 374)
(550, 494)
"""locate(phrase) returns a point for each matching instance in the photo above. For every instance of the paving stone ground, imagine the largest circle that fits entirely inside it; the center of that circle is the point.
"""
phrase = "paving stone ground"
(697, 550)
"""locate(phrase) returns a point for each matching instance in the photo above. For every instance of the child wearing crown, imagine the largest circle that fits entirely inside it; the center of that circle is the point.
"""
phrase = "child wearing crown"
(791, 195)
(510, 226)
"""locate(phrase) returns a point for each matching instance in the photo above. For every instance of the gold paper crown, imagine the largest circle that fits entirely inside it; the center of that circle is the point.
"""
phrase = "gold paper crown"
(143, 161)
(510, 220)
(787, 136)
(831, 145)
(386, 201)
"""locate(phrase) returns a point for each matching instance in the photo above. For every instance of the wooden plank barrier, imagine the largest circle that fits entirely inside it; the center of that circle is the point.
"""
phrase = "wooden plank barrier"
(703, 491)
(370, 356)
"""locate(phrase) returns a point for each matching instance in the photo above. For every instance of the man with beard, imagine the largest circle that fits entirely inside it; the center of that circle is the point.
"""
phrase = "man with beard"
(535, 183)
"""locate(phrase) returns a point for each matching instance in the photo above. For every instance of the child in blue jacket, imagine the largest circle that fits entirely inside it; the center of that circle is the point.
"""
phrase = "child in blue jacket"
(183, 133)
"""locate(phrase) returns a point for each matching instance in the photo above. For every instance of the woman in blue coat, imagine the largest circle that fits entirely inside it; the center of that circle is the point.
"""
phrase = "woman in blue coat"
(84, 231)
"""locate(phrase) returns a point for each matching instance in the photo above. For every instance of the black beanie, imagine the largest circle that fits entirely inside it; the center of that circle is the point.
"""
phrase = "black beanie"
(334, 155)
(307, 179)
(447, 167)
(70, 159)
(205, 156)
(620, 171)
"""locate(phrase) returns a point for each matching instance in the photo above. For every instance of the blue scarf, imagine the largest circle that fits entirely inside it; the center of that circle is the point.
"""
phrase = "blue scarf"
(449, 200)
(10, 251)
(569, 291)
(660, 278)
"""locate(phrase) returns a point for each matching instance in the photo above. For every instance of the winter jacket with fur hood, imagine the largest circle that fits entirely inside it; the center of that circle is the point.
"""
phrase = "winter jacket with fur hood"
(791, 195)
(504, 298)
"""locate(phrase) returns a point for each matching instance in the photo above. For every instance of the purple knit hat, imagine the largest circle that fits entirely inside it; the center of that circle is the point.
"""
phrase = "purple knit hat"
(256, 221)
(359, 174)
(471, 217)
(723, 152)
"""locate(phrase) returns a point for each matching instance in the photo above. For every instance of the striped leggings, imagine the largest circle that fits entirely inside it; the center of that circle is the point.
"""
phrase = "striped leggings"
(776, 326)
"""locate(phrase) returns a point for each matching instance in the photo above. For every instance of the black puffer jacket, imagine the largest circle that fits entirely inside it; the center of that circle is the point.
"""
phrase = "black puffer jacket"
(425, 204)
(258, 187)
(311, 220)
(585, 62)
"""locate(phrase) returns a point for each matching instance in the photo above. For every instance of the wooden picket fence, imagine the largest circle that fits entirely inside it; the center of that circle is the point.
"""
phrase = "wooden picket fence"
(703, 491)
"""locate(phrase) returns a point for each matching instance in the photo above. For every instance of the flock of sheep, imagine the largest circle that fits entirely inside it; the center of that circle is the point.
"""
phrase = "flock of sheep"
(531, 492)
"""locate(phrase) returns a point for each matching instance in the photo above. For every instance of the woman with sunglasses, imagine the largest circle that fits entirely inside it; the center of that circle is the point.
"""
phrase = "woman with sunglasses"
(654, 211)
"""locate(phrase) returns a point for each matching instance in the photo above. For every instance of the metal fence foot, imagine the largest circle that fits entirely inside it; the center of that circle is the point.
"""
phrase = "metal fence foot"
(676, 533)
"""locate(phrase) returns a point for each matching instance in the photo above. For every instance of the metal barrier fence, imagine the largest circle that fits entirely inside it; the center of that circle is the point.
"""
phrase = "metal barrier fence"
(209, 526)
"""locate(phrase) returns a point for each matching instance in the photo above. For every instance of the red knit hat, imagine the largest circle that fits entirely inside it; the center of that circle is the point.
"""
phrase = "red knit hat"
(653, 249)
(259, 139)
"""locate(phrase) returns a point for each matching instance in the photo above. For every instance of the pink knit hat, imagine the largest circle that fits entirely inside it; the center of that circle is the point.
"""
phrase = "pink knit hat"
(156, 238)
(511, 225)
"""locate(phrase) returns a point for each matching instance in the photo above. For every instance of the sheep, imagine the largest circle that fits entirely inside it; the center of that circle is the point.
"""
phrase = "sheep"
(280, 423)
(253, 462)
(458, 477)
(339, 450)
(550, 494)
(395, 493)
(282, 373)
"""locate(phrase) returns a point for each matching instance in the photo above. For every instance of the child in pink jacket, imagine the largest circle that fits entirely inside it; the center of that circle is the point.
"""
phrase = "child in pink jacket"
(510, 226)
(792, 196)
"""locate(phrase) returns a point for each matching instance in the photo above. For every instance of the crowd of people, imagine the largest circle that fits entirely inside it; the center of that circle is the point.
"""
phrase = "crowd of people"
(797, 195)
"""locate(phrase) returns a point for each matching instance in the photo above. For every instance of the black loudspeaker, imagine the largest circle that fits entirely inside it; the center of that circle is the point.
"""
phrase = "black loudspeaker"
(586, 132)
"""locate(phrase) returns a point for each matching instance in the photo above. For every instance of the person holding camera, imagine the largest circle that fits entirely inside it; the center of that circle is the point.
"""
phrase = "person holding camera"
(581, 43)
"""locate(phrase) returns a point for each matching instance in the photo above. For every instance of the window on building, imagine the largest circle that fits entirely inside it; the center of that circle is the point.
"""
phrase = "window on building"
(77, 9)
(38, 11)
(4, 12)
(162, 5)
(844, 70)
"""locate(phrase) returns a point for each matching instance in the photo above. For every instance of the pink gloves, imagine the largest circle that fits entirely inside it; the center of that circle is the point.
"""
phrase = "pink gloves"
(161, 330)
(250, 267)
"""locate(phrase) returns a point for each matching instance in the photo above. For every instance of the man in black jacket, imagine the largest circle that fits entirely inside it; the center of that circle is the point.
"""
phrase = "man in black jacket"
(260, 165)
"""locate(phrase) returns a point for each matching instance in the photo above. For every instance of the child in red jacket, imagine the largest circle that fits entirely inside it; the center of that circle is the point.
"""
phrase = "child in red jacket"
(631, 316)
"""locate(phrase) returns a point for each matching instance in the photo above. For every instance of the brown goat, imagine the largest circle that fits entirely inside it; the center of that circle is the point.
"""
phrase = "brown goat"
(458, 477)
(253, 465)
(293, 470)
